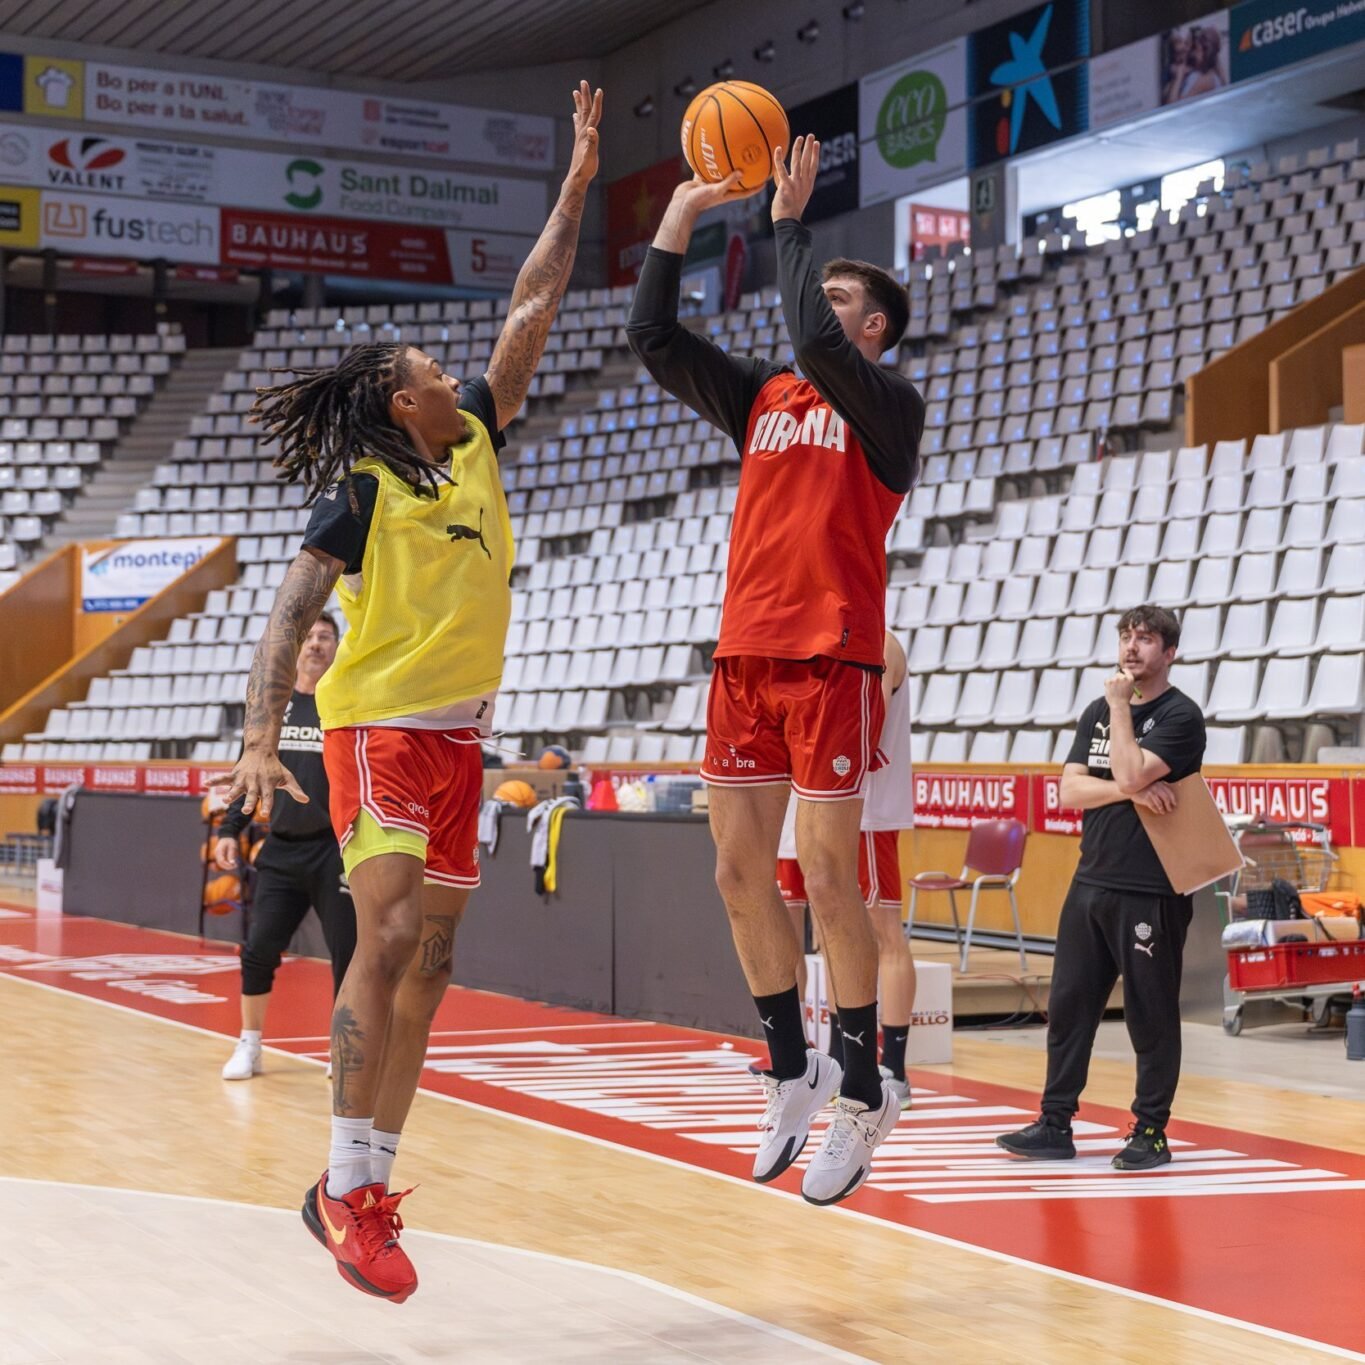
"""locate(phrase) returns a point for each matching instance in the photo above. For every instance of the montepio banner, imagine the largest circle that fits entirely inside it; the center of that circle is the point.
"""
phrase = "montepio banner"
(124, 576)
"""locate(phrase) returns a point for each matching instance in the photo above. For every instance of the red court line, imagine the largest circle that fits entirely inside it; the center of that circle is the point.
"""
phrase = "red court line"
(1227, 1251)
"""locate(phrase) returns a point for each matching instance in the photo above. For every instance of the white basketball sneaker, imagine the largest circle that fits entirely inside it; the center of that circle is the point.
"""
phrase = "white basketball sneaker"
(900, 1089)
(791, 1105)
(845, 1156)
(245, 1061)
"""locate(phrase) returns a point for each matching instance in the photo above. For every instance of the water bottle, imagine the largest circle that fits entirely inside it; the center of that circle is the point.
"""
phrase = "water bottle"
(1355, 1028)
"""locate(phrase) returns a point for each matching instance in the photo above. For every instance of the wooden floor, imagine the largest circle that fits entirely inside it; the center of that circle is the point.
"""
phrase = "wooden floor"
(123, 1100)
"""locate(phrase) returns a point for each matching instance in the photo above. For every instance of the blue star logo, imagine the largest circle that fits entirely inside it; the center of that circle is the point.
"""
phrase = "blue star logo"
(1027, 70)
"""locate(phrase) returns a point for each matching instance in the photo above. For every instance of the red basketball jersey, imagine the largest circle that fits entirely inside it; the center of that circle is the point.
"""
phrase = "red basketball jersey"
(807, 566)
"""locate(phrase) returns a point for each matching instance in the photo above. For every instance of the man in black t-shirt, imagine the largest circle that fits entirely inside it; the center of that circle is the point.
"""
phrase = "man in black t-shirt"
(1122, 915)
(299, 864)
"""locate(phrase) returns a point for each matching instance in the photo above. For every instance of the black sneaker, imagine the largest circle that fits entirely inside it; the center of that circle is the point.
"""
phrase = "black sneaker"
(1147, 1148)
(1040, 1141)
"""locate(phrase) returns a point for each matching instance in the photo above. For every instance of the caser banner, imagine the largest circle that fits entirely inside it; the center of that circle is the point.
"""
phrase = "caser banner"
(124, 576)
(1268, 34)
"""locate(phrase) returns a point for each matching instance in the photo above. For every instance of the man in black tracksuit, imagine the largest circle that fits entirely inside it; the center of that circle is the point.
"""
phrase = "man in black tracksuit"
(1121, 915)
(299, 864)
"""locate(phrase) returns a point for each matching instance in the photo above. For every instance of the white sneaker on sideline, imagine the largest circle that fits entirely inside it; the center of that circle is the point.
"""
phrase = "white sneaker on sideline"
(900, 1089)
(244, 1063)
(791, 1105)
(845, 1156)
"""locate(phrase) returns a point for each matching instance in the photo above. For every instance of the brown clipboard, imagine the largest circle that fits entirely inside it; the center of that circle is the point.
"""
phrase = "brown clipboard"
(1192, 841)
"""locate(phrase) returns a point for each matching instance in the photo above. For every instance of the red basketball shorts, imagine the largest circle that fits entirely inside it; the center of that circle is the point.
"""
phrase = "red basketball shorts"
(811, 722)
(422, 788)
(879, 870)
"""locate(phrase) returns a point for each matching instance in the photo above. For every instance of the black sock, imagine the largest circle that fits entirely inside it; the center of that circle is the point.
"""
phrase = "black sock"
(862, 1081)
(836, 1039)
(893, 1049)
(785, 1031)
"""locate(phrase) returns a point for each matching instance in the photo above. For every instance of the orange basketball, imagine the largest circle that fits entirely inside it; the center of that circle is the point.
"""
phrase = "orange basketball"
(516, 793)
(223, 894)
(734, 126)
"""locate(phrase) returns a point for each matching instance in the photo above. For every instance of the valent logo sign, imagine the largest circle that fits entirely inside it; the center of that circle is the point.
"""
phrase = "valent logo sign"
(304, 175)
(85, 163)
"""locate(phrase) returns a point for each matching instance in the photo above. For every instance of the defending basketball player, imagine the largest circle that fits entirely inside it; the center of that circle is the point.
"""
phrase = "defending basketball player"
(409, 519)
(888, 808)
(795, 700)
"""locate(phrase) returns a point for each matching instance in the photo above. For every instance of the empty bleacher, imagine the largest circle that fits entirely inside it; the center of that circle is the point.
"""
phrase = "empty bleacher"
(64, 401)
(1009, 562)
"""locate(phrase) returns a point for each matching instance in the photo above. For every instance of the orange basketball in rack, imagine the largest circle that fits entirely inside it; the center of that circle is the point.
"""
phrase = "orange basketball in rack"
(734, 126)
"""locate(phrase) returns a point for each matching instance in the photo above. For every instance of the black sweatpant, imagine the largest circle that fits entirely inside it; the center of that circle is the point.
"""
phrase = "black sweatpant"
(1102, 934)
(291, 875)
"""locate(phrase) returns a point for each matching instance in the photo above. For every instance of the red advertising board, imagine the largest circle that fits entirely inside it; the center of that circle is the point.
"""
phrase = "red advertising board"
(334, 246)
(207, 274)
(635, 204)
(1317, 800)
(960, 800)
(937, 227)
(18, 779)
(102, 265)
(167, 781)
(55, 778)
(114, 777)
(1049, 815)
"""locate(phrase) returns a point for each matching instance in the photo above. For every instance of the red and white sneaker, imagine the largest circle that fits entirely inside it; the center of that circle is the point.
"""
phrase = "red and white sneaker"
(361, 1230)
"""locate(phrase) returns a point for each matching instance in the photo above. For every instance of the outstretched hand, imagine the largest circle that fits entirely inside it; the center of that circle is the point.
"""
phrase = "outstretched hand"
(795, 186)
(587, 114)
(257, 776)
(698, 195)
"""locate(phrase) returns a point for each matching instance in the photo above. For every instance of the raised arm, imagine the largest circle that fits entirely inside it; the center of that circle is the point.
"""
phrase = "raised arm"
(716, 385)
(259, 773)
(884, 408)
(545, 275)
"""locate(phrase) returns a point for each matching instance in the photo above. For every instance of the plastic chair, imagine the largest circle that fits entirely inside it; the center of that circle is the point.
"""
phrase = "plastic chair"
(995, 853)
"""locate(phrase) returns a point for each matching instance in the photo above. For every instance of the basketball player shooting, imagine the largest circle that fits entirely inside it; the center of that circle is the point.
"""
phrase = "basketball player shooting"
(827, 457)
(400, 461)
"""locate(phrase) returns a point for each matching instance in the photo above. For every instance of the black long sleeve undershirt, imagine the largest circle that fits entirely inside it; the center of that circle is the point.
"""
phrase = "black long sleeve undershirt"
(883, 407)
(715, 384)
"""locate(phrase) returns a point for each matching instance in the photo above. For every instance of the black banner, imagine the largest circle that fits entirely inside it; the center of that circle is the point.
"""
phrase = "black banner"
(833, 119)
(1028, 80)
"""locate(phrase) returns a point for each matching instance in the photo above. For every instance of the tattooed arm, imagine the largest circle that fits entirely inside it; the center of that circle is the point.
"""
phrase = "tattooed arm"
(545, 276)
(303, 594)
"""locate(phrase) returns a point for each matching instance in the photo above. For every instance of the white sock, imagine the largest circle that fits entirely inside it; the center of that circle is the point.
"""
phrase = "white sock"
(383, 1151)
(252, 1036)
(348, 1166)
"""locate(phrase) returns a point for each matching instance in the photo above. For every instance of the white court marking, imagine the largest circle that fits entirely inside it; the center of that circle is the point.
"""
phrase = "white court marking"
(772, 1191)
(136, 1275)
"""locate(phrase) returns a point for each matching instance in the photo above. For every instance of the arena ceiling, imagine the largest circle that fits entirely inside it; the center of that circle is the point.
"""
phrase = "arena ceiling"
(392, 40)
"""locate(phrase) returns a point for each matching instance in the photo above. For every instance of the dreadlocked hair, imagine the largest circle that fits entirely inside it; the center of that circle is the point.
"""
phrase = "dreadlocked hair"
(327, 420)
